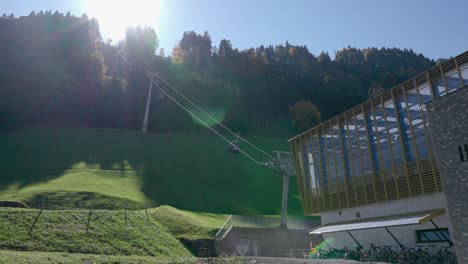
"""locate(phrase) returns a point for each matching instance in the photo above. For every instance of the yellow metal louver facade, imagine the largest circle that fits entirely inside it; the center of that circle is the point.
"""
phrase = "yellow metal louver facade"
(377, 151)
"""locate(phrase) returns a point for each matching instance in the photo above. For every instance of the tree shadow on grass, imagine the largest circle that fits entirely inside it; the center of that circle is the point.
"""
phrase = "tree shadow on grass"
(39, 155)
(191, 172)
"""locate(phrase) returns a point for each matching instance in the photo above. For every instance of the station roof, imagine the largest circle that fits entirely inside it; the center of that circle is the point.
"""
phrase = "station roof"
(398, 220)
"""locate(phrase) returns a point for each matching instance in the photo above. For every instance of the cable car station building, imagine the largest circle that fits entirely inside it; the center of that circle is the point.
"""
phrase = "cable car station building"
(392, 170)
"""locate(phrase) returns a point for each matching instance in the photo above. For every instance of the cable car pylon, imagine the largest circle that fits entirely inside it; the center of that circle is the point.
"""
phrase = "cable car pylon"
(282, 164)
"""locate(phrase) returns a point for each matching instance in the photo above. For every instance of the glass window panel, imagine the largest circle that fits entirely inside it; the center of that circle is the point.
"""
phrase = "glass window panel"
(405, 131)
(312, 172)
(464, 72)
(322, 153)
(421, 143)
(393, 132)
(383, 141)
(425, 93)
(373, 140)
(424, 115)
(453, 81)
(412, 97)
(354, 150)
(362, 142)
(438, 87)
(347, 151)
(432, 235)
(386, 151)
(315, 157)
(418, 128)
(301, 162)
(365, 157)
(338, 155)
(330, 159)
(309, 160)
(306, 169)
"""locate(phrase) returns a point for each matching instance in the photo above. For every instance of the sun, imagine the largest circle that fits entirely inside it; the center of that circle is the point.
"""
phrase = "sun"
(116, 16)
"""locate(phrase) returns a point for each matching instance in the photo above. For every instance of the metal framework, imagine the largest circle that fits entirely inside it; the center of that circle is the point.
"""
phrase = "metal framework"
(385, 223)
(282, 164)
(376, 151)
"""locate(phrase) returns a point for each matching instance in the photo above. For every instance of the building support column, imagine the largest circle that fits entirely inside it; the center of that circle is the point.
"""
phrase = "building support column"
(284, 202)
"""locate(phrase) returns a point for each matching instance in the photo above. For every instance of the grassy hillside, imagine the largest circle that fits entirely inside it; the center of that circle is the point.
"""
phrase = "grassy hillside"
(188, 225)
(65, 231)
(22, 257)
(115, 168)
(60, 236)
(109, 233)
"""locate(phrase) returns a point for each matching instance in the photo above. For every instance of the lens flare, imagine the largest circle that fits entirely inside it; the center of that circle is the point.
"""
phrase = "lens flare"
(115, 17)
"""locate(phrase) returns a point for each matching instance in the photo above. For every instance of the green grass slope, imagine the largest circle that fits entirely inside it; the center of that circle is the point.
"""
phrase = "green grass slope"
(116, 168)
(22, 257)
(112, 236)
(109, 234)
(188, 225)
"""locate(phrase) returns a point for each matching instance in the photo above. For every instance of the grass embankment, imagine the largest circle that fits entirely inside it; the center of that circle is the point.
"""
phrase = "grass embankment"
(109, 233)
(65, 231)
(188, 225)
(20, 257)
(116, 168)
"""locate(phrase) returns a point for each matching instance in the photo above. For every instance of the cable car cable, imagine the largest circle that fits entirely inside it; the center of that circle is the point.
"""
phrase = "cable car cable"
(205, 124)
(214, 119)
(204, 112)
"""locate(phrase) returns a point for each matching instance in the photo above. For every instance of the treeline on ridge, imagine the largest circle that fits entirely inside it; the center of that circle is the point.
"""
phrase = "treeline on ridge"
(57, 70)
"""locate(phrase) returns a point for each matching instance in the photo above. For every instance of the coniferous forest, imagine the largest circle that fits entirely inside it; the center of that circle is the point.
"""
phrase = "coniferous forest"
(57, 70)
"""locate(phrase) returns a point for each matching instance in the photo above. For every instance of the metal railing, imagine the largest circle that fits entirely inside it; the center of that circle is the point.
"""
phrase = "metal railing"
(294, 222)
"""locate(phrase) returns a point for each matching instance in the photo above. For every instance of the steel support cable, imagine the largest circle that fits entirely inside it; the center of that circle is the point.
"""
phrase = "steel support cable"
(211, 117)
(205, 124)
(123, 57)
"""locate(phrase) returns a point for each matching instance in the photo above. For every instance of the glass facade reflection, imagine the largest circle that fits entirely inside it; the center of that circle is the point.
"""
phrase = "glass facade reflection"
(379, 150)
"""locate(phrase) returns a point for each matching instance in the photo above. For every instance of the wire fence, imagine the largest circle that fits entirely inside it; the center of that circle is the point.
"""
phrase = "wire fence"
(75, 201)
(84, 202)
(89, 203)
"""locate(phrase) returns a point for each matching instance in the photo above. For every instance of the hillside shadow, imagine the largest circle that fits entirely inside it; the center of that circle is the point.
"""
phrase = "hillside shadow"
(191, 172)
(197, 173)
(30, 156)
(39, 155)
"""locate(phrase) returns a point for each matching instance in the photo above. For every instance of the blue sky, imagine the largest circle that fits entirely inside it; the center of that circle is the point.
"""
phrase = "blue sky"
(434, 28)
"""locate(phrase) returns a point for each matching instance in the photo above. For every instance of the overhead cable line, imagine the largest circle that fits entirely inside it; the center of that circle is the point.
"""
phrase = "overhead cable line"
(121, 54)
(205, 124)
(212, 118)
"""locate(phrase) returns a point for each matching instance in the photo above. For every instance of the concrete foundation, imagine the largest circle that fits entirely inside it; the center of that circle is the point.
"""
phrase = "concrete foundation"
(266, 242)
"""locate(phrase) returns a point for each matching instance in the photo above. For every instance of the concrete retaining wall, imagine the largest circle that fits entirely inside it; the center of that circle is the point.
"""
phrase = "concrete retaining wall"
(266, 242)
